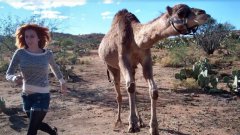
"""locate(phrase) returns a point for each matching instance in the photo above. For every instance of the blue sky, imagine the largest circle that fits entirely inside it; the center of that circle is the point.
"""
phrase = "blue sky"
(95, 16)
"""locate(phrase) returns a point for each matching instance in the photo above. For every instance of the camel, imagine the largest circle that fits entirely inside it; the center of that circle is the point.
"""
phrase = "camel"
(128, 44)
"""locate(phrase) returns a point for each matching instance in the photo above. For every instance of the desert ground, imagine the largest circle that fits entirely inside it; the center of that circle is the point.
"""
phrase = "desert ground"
(91, 108)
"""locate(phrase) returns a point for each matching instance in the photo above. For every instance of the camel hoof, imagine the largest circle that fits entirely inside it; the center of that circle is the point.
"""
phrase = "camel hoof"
(153, 131)
(118, 125)
(134, 128)
(142, 125)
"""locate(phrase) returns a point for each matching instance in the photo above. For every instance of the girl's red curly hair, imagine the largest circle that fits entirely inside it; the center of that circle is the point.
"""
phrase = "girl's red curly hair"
(42, 33)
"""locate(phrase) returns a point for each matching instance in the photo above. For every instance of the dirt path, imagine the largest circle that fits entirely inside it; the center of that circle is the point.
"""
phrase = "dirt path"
(91, 108)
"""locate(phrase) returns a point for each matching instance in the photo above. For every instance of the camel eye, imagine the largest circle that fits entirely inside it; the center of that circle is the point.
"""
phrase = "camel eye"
(183, 13)
(201, 12)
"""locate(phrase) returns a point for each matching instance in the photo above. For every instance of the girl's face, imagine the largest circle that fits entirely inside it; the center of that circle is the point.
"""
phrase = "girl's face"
(31, 38)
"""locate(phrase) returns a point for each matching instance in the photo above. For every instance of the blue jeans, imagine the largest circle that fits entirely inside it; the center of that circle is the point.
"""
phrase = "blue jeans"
(36, 102)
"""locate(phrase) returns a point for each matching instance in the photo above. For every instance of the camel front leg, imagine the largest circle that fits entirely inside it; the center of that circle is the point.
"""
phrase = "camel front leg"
(154, 96)
(127, 72)
(153, 91)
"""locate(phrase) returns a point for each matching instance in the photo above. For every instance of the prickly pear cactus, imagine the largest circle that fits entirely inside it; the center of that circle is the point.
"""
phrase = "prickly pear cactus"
(200, 66)
(200, 73)
(229, 82)
(181, 75)
(236, 82)
(203, 81)
(233, 82)
(213, 81)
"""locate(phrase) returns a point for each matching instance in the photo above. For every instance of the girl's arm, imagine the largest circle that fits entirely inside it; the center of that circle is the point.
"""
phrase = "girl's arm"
(55, 69)
(58, 74)
(12, 67)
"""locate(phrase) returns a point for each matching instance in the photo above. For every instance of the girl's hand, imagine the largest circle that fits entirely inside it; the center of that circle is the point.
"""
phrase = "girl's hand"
(18, 80)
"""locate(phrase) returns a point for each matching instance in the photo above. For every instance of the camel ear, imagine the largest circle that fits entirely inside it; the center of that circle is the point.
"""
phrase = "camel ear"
(169, 10)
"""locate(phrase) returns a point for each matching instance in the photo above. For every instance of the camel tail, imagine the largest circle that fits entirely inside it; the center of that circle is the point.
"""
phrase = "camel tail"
(109, 79)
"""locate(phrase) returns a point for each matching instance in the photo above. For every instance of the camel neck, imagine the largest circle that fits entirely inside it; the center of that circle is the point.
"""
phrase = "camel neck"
(153, 31)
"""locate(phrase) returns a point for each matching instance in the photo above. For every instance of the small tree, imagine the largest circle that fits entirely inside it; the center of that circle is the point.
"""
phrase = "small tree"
(210, 35)
(8, 27)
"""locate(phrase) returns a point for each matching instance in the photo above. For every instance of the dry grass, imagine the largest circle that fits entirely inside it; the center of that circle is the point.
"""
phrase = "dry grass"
(189, 83)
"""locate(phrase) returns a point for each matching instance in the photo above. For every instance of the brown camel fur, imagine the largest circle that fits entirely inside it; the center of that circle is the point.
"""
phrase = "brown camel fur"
(128, 44)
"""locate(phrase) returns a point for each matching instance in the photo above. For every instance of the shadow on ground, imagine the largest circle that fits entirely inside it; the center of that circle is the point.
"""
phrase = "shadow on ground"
(17, 118)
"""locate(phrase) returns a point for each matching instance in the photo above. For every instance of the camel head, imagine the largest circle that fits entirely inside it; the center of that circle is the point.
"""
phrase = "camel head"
(184, 19)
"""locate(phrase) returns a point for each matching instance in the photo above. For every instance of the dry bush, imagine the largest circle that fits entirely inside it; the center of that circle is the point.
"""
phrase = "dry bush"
(194, 53)
(182, 56)
(86, 62)
(155, 58)
(222, 58)
(168, 61)
(189, 83)
(3, 66)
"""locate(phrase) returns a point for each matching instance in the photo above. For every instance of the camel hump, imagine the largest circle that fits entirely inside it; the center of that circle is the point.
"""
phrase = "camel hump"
(125, 14)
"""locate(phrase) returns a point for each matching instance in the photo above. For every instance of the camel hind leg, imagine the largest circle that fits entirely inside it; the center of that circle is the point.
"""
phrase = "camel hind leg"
(116, 75)
(141, 124)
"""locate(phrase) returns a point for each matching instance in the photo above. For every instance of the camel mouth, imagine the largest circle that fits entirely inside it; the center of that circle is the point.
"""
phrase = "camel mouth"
(202, 18)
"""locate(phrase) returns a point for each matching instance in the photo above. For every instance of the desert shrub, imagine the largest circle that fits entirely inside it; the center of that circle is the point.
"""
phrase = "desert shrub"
(184, 55)
(231, 42)
(2, 104)
(169, 61)
(154, 59)
(82, 62)
(179, 54)
(190, 83)
(172, 42)
(67, 71)
(66, 57)
(72, 59)
(3, 66)
(194, 53)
